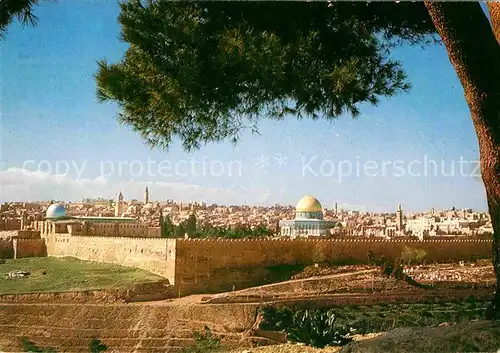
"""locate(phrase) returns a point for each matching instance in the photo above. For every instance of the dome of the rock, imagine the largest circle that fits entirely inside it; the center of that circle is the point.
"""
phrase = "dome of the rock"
(308, 204)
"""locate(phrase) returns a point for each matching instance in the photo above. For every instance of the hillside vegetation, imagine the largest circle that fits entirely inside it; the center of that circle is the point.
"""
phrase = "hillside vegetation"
(51, 274)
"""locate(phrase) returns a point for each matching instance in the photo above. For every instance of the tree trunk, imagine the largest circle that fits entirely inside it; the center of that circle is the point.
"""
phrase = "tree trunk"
(475, 55)
(494, 9)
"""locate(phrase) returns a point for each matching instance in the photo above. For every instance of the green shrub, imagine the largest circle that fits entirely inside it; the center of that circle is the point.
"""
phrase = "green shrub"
(29, 346)
(278, 273)
(316, 328)
(377, 318)
(275, 319)
(395, 268)
(411, 256)
(205, 342)
(472, 301)
(96, 346)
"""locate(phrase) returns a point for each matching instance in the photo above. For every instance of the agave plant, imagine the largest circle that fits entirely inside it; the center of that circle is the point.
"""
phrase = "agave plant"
(318, 328)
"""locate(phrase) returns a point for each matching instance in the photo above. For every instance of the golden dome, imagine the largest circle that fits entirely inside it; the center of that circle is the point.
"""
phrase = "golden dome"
(308, 204)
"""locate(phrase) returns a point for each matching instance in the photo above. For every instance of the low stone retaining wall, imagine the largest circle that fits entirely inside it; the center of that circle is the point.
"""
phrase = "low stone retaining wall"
(141, 292)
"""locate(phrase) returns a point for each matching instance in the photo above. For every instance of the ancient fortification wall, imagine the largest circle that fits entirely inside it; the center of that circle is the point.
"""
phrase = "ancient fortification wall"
(118, 229)
(6, 249)
(219, 263)
(11, 234)
(29, 248)
(28, 234)
(10, 224)
(154, 232)
(115, 229)
(18, 244)
(214, 265)
(152, 254)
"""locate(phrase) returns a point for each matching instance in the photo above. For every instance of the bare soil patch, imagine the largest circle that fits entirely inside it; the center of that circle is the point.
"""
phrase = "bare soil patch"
(467, 336)
(316, 281)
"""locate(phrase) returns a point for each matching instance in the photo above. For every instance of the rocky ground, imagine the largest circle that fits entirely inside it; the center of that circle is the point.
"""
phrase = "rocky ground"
(477, 272)
(315, 281)
(471, 336)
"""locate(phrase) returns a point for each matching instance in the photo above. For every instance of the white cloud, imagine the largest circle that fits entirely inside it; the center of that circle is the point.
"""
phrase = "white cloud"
(17, 184)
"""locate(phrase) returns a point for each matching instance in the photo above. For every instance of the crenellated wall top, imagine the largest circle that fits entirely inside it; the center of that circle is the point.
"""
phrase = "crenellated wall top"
(104, 238)
(272, 240)
(288, 240)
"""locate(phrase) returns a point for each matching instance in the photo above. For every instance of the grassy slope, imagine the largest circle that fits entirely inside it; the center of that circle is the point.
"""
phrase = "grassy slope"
(68, 274)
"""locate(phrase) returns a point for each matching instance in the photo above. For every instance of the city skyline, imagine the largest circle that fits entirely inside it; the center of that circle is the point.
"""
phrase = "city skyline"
(50, 113)
(327, 205)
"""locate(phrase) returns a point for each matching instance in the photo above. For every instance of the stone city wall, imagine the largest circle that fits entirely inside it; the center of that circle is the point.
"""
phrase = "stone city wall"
(15, 248)
(29, 248)
(28, 234)
(156, 255)
(154, 232)
(133, 230)
(217, 264)
(10, 224)
(6, 249)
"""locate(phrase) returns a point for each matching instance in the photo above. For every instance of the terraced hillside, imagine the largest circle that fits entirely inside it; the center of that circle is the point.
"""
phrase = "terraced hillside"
(122, 327)
(167, 325)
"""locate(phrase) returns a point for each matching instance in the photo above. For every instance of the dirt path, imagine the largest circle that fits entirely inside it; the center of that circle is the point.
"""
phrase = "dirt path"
(200, 298)
(326, 299)
(295, 281)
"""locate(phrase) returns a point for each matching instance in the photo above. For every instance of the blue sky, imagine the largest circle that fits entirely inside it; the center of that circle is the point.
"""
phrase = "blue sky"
(51, 119)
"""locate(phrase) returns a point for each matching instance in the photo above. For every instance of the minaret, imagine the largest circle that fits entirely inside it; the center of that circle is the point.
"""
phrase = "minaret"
(119, 205)
(399, 218)
(146, 195)
(336, 213)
